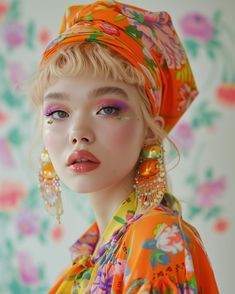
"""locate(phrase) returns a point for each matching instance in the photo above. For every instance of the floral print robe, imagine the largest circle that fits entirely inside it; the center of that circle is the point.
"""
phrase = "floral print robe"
(155, 252)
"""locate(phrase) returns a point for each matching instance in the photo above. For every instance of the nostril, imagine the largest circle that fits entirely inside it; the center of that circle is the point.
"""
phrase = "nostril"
(74, 141)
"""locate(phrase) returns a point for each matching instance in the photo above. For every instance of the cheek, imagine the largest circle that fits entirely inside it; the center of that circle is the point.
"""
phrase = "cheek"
(124, 135)
(51, 138)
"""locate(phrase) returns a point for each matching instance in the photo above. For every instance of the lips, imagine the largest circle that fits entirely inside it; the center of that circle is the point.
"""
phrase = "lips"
(78, 156)
(82, 162)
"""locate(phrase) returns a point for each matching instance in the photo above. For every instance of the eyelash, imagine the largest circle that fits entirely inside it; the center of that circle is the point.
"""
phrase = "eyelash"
(56, 111)
(117, 110)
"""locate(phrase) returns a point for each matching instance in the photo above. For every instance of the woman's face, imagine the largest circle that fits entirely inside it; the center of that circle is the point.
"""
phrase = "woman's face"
(100, 116)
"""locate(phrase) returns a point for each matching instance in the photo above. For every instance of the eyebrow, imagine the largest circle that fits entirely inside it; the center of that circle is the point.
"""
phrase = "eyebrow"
(91, 95)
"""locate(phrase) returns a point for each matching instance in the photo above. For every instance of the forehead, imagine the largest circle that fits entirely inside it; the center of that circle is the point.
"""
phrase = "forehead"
(90, 88)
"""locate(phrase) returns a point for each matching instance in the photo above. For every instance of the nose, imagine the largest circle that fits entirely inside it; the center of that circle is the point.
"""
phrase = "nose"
(81, 134)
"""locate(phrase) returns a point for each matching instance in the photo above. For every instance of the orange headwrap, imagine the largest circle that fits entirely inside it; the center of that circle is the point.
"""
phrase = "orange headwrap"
(146, 39)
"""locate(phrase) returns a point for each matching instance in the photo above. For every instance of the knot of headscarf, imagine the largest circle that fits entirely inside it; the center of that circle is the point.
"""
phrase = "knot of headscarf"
(146, 39)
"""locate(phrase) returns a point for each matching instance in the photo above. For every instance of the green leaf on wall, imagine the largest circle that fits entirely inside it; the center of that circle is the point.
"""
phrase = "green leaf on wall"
(191, 180)
(16, 287)
(217, 16)
(10, 99)
(4, 218)
(45, 225)
(191, 47)
(41, 272)
(14, 12)
(213, 212)
(211, 53)
(31, 34)
(210, 117)
(204, 116)
(2, 63)
(213, 43)
(25, 116)
(9, 246)
(33, 198)
(193, 211)
(209, 173)
(15, 137)
(41, 290)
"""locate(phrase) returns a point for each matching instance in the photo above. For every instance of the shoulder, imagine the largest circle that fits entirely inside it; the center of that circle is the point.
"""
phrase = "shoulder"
(161, 232)
(163, 221)
(155, 221)
(155, 245)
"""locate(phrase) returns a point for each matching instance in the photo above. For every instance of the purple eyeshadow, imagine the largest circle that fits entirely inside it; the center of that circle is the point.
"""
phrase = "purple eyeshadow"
(51, 108)
(109, 102)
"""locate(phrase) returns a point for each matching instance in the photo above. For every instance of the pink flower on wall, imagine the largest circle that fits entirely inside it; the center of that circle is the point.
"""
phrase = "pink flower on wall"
(4, 7)
(183, 136)
(11, 193)
(44, 36)
(209, 192)
(28, 272)
(221, 225)
(197, 26)
(14, 34)
(27, 223)
(6, 158)
(226, 94)
(57, 233)
(17, 74)
(3, 117)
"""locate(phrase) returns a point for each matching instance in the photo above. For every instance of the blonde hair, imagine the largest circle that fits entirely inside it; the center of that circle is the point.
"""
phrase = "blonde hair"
(98, 60)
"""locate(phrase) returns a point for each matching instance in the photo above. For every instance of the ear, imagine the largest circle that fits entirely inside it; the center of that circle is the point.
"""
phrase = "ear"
(150, 137)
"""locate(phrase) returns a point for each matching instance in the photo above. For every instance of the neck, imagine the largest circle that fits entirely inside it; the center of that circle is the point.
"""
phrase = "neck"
(106, 202)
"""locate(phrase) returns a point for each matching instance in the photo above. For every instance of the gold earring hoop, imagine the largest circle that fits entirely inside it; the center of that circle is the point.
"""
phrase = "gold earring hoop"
(49, 186)
(150, 180)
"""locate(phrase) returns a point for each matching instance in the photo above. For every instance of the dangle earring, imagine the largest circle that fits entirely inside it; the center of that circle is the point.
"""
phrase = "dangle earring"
(150, 180)
(50, 186)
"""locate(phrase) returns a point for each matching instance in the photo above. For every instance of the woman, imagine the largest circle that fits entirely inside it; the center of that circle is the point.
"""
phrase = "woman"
(109, 89)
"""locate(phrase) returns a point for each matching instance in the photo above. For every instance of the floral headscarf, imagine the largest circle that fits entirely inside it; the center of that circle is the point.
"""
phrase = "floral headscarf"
(146, 39)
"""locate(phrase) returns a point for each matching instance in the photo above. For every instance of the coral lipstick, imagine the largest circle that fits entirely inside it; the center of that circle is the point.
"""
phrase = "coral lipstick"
(82, 161)
(83, 167)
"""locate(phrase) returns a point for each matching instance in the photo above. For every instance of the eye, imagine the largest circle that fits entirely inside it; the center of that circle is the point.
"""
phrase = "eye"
(109, 110)
(58, 114)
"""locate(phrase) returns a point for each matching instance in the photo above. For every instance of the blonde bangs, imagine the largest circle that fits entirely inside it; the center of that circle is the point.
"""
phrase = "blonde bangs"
(90, 59)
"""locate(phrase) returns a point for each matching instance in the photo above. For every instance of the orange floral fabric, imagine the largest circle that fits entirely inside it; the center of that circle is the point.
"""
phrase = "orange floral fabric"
(156, 252)
(146, 39)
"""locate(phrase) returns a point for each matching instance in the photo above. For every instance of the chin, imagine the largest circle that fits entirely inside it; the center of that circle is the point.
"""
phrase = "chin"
(90, 188)
(84, 188)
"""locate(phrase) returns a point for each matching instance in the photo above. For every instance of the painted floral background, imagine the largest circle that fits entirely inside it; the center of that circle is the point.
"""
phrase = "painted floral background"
(33, 248)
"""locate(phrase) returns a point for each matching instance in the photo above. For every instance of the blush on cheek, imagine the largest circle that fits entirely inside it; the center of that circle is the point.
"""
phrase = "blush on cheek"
(126, 135)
